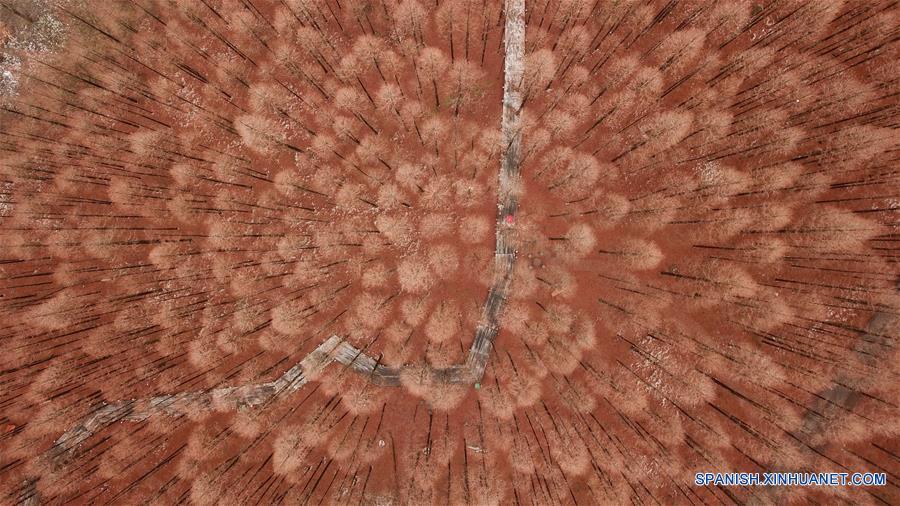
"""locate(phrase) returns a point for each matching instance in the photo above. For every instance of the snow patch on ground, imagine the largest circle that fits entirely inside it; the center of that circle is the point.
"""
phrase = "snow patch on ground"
(45, 34)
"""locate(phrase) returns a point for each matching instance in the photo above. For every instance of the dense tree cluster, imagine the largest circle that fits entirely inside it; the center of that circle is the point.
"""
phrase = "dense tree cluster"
(195, 195)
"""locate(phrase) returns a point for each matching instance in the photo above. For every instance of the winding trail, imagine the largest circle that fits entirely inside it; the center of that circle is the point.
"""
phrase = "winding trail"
(334, 348)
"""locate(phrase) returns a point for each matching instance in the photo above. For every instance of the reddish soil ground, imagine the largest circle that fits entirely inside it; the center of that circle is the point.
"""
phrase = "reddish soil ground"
(196, 196)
